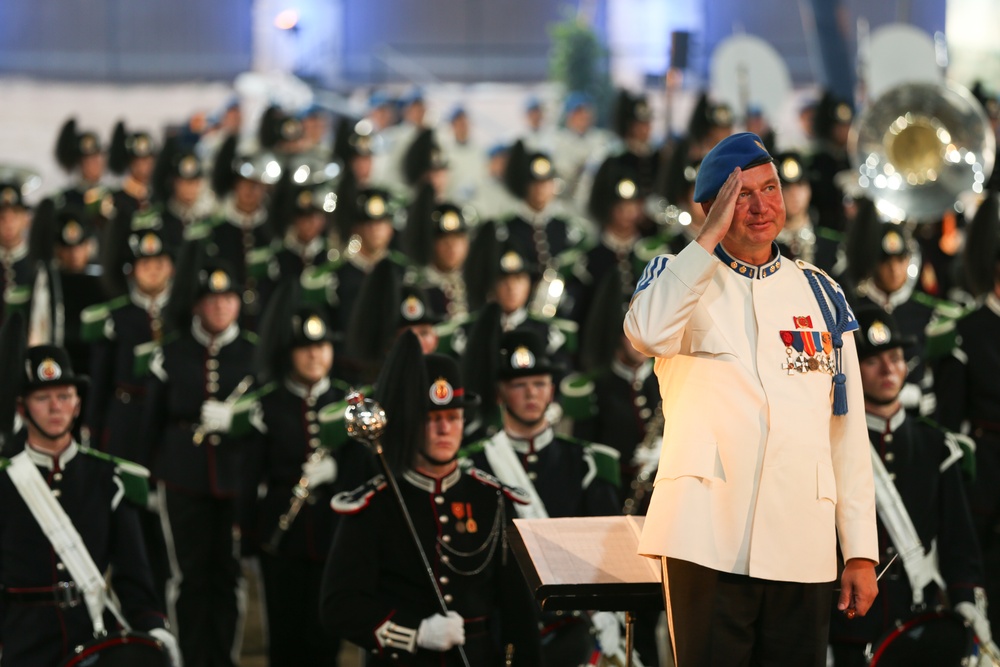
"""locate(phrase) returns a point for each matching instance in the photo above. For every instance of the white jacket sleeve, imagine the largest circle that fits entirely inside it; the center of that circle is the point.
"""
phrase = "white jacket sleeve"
(667, 292)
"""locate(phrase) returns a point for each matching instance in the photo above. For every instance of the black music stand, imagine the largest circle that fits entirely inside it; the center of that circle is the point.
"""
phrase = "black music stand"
(583, 563)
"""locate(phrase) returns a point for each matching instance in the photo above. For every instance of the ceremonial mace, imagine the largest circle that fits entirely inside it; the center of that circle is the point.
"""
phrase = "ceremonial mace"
(365, 421)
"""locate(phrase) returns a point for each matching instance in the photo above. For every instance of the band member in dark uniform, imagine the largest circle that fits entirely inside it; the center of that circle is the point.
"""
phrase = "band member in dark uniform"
(63, 245)
(15, 220)
(538, 228)
(288, 456)
(115, 329)
(81, 154)
(616, 206)
(562, 476)
(239, 233)
(436, 240)
(196, 378)
(179, 191)
(920, 462)
(132, 155)
(966, 386)
(633, 120)
(44, 616)
(375, 591)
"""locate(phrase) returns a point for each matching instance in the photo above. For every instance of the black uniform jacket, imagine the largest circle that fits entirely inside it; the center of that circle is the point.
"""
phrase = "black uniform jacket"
(34, 634)
(914, 452)
(376, 591)
(189, 369)
(287, 436)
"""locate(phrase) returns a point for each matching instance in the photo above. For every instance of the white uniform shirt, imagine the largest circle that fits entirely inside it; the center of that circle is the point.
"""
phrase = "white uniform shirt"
(756, 474)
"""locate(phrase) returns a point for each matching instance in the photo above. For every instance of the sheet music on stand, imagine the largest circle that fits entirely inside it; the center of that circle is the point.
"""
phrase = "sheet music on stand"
(581, 563)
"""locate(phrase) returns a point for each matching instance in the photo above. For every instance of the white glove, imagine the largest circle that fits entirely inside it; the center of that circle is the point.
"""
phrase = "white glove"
(977, 619)
(609, 632)
(170, 643)
(440, 633)
(216, 416)
(319, 471)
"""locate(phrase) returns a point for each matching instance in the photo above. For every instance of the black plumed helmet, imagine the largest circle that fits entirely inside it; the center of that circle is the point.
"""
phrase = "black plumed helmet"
(629, 109)
(981, 256)
(287, 324)
(602, 327)
(374, 321)
(277, 127)
(862, 244)
(42, 235)
(482, 265)
(118, 157)
(481, 360)
(423, 155)
(185, 290)
(524, 168)
(223, 175)
(418, 235)
(67, 153)
(830, 112)
(401, 389)
(614, 182)
(13, 340)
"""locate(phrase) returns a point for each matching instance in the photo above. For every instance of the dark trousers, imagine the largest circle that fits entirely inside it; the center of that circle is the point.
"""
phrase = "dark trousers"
(719, 619)
(205, 595)
(291, 595)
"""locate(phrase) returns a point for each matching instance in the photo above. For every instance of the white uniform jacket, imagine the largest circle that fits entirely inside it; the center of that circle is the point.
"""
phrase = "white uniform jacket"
(756, 474)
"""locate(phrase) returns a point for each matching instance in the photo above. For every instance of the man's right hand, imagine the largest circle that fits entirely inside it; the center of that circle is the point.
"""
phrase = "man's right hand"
(440, 632)
(720, 216)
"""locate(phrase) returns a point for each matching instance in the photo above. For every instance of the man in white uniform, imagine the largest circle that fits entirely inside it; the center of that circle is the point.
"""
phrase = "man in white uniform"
(762, 465)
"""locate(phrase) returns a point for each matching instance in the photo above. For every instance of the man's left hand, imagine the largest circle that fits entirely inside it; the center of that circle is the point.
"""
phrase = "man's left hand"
(858, 587)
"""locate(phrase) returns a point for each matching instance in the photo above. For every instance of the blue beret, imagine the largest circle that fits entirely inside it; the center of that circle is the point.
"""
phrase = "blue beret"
(456, 111)
(532, 103)
(577, 99)
(379, 98)
(744, 150)
(413, 96)
(497, 149)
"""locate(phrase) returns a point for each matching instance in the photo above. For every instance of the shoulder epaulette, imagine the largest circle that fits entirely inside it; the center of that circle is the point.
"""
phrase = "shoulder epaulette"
(142, 355)
(202, 229)
(942, 331)
(247, 412)
(563, 333)
(319, 283)
(93, 319)
(576, 395)
(512, 492)
(134, 477)
(605, 459)
(259, 261)
(249, 336)
(352, 502)
(851, 319)
(4, 463)
(959, 448)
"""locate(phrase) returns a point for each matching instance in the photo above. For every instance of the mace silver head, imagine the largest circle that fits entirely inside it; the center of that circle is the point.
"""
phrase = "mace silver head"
(364, 418)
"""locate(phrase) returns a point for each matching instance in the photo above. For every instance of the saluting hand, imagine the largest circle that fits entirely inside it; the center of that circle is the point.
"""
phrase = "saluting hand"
(720, 216)
(858, 587)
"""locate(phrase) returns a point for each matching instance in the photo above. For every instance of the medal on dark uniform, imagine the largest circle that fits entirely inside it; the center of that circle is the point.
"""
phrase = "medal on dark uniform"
(458, 511)
(470, 523)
